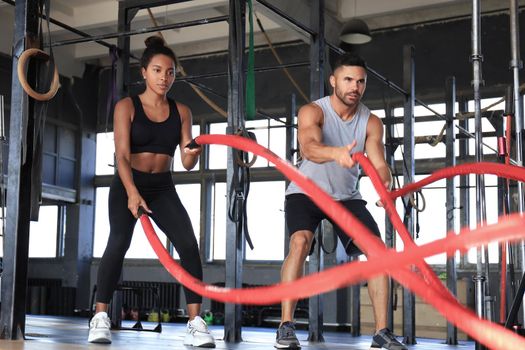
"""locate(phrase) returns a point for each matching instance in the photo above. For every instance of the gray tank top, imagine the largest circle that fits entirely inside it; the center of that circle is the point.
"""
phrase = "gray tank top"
(338, 182)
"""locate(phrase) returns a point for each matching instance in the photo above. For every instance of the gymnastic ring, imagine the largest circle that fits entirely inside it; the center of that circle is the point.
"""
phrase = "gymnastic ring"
(413, 201)
(241, 162)
(55, 84)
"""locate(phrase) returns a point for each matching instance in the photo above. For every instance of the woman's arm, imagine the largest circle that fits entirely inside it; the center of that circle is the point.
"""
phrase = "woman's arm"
(188, 157)
(122, 115)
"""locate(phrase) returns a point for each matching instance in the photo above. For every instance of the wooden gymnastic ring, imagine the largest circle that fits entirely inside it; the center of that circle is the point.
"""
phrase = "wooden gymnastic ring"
(55, 84)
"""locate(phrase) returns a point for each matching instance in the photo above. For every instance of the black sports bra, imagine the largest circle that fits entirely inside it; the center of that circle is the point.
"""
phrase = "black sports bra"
(154, 137)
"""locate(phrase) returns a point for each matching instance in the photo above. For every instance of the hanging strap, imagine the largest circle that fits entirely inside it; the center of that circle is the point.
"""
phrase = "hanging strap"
(250, 75)
(112, 85)
(46, 72)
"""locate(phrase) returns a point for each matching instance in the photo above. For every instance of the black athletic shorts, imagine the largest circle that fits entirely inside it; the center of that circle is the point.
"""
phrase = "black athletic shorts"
(303, 214)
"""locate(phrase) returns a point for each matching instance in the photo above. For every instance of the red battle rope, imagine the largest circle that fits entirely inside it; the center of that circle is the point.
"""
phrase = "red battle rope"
(381, 260)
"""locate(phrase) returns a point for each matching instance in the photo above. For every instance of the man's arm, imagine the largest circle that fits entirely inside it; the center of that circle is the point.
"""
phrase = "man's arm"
(375, 149)
(310, 135)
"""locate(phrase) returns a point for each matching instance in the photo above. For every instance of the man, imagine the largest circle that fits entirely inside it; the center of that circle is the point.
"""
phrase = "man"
(329, 131)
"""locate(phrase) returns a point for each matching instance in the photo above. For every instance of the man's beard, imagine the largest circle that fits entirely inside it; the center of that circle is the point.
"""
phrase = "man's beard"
(341, 98)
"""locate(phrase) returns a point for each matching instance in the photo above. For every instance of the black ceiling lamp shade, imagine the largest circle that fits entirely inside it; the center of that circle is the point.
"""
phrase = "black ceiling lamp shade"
(355, 31)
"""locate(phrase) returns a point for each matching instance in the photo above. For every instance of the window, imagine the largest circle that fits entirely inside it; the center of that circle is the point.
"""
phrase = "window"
(140, 247)
(270, 137)
(491, 200)
(218, 153)
(105, 164)
(218, 225)
(190, 196)
(267, 136)
(265, 208)
(59, 156)
(435, 193)
(177, 164)
(43, 233)
(266, 220)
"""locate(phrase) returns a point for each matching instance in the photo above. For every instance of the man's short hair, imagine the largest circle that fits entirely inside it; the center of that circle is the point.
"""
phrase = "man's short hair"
(349, 59)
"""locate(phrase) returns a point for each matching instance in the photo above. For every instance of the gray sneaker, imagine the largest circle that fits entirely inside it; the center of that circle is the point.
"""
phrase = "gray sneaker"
(385, 339)
(286, 338)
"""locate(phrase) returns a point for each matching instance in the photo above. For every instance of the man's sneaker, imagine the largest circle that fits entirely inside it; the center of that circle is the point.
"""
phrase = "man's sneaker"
(385, 339)
(286, 338)
(197, 334)
(99, 329)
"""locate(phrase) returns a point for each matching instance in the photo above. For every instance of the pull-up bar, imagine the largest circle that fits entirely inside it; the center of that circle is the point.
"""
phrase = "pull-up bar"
(142, 31)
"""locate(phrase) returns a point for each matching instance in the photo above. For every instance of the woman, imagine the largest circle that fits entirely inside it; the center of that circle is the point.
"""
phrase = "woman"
(147, 130)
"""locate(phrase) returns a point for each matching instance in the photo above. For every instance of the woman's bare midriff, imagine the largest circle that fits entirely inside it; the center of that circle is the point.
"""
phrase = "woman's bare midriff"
(150, 162)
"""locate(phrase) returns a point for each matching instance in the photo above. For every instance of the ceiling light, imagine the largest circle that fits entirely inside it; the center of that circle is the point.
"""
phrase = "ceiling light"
(355, 31)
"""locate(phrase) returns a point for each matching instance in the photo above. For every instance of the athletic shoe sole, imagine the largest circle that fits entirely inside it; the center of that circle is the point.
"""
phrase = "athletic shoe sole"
(286, 346)
(101, 337)
(191, 342)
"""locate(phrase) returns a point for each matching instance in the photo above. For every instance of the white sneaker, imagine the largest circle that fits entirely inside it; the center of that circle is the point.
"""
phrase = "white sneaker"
(197, 334)
(99, 329)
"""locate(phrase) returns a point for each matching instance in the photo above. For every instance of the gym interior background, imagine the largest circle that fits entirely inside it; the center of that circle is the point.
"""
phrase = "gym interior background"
(68, 239)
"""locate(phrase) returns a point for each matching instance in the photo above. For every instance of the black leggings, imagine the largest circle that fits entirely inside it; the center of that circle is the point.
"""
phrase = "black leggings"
(170, 216)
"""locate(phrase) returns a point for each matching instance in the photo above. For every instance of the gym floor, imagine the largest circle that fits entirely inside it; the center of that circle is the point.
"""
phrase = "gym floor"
(61, 333)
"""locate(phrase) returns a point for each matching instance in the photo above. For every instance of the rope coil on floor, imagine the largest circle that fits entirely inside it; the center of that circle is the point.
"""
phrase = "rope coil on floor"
(21, 70)
(381, 260)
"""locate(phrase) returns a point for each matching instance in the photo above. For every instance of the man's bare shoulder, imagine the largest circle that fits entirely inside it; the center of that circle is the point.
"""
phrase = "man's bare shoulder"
(311, 110)
(374, 125)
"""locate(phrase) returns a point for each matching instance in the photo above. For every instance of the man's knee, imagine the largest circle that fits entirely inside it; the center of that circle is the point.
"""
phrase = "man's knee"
(300, 242)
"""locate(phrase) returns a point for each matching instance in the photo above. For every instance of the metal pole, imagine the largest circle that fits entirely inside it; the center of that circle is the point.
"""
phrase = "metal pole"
(2, 179)
(141, 31)
(18, 201)
(67, 27)
(452, 332)
(464, 181)
(317, 59)
(477, 81)
(291, 148)
(206, 184)
(125, 16)
(315, 303)
(409, 312)
(389, 228)
(234, 233)
(2, 121)
(516, 64)
(224, 74)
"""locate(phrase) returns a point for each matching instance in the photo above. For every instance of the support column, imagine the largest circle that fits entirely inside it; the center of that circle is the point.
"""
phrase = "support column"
(315, 303)
(234, 233)
(356, 309)
(291, 137)
(125, 16)
(79, 225)
(450, 96)
(409, 306)
(516, 65)
(389, 228)
(317, 59)
(206, 200)
(480, 279)
(18, 202)
(464, 181)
